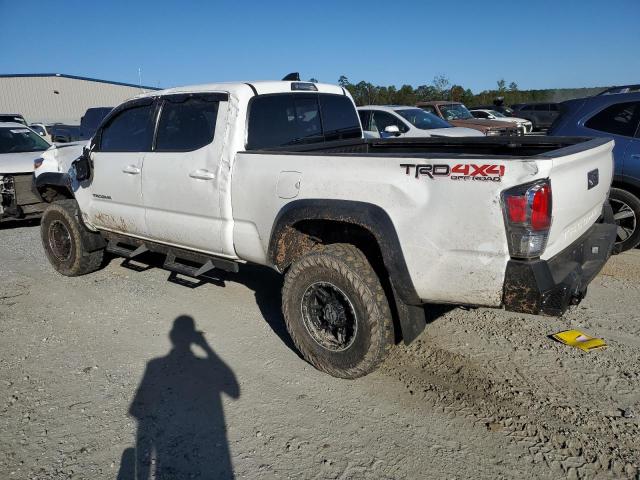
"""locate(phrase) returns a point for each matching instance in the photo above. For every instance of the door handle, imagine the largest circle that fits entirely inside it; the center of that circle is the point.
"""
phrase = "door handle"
(132, 169)
(202, 174)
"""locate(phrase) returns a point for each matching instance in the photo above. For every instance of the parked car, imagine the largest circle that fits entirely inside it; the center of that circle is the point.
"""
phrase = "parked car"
(397, 121)
(19, 147)
(458, 115)
(506, 111)
(90, 121)
(360, 228)
(524, 126)
(42, 130)
(615, 116)
(541, 115)
(12, 118)
(61, 133)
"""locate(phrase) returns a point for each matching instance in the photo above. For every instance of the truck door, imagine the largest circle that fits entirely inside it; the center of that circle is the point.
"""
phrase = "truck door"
(118, 154)
(180, 180)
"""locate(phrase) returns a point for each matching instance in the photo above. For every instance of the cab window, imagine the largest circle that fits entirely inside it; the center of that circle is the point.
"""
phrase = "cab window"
(186, 123)
(130, 130)
(291, 119)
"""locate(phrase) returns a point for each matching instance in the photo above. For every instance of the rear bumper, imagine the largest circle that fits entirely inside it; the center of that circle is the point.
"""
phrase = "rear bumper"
(548, 287)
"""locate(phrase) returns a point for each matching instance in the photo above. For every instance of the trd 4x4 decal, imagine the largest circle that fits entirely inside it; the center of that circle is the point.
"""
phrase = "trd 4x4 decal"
(462, 171)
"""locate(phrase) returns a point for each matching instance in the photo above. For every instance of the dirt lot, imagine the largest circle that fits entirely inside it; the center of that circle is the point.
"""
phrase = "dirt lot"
(481, 394)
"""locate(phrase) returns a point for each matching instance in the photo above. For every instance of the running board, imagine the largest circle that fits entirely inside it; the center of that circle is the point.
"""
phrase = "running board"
(116, 249)
(183, 262)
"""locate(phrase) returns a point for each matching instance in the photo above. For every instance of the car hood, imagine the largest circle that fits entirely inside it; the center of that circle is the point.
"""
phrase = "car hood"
(18, 162)
(483, 123)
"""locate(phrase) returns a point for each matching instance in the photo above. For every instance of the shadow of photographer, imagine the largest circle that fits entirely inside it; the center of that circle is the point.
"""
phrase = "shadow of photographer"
(178, 406)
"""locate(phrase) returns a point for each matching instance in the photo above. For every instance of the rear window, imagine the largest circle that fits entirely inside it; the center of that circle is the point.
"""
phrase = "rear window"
(186, 124)
(619, 119)
(339, 117)
(290, 119)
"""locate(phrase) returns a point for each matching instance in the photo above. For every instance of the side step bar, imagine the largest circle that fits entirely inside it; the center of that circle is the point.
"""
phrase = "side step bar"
(116, 249)
(184, 262)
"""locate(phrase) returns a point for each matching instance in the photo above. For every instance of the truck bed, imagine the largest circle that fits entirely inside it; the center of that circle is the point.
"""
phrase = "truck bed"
(460, 147)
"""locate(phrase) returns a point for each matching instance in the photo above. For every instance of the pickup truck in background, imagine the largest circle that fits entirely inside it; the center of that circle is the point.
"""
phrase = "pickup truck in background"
(458, 115)
(366, 232)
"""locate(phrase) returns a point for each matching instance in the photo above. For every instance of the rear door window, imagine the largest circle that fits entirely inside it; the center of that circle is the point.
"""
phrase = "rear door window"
(130, 130)
(186, 123)
(618, 119)
(542, 107)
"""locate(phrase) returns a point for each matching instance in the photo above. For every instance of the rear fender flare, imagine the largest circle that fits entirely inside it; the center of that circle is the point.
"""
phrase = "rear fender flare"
(366, 215)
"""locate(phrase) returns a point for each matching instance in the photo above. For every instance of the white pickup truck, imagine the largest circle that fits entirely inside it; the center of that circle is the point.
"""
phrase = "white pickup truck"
(366, 232)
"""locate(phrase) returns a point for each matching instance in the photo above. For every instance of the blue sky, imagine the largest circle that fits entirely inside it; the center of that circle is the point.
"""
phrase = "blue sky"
(536, 43)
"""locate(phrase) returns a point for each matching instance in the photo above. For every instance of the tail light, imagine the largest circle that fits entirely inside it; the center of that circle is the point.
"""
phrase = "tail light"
(527, 215)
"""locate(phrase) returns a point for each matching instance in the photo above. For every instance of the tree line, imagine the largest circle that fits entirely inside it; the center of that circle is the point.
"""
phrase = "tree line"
(440, 88)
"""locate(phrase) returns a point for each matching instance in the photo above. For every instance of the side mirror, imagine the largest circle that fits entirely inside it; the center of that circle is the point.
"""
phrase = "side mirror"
(392, 129)
(82, 165)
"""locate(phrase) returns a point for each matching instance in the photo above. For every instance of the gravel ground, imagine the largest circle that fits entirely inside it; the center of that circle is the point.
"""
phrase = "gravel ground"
(97, 370)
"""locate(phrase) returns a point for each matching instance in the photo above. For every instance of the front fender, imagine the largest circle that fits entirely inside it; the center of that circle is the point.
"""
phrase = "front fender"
(53, 179)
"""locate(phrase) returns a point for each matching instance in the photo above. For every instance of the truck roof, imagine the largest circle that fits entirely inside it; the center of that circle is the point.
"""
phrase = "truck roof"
(241, 89)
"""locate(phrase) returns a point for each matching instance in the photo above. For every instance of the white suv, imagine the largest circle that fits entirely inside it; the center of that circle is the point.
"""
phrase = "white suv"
(396, 121)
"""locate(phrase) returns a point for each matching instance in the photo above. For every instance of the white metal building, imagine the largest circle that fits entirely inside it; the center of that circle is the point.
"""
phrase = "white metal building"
(59, 98)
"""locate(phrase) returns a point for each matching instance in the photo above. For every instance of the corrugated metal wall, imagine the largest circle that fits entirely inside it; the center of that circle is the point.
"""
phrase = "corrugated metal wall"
(36, 98)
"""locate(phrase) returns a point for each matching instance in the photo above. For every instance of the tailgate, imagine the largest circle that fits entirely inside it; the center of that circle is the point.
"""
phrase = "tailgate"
(580, 177)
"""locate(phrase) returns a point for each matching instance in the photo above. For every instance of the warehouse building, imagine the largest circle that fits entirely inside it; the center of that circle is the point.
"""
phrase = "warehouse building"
(58, 98)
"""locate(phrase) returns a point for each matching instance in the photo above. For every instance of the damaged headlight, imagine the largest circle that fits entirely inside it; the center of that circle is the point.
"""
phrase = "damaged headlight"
(7, 185)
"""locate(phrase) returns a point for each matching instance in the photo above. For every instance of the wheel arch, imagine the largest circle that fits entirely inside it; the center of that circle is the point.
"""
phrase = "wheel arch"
(285, 245)
(302, 224)
(630, 184)
(51, 186)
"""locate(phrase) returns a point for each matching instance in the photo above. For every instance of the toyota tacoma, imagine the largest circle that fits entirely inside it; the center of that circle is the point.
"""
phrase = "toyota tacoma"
(366, 231)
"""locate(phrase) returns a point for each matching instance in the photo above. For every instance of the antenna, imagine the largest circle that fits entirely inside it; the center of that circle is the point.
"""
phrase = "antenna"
(140, 77)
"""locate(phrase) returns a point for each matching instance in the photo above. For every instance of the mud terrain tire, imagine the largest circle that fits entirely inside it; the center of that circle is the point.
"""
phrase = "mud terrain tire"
(71, 248)
(335, 289)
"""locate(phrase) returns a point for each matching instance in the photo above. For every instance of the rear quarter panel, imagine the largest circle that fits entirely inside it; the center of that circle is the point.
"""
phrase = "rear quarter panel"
(451, 231)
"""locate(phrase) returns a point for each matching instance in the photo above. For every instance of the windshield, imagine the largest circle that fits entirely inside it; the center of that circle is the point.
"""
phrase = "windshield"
(421, 119)
(20, 140)
(495, 113)
(455, 111)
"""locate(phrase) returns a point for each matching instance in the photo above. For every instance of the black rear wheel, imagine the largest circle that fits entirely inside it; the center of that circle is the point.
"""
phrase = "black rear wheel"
(336, 311)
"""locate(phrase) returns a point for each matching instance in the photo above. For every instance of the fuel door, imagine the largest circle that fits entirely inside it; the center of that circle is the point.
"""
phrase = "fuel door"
(288, 184)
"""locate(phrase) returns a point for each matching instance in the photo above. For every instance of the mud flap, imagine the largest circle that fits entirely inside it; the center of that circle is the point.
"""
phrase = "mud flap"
(412, 319)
